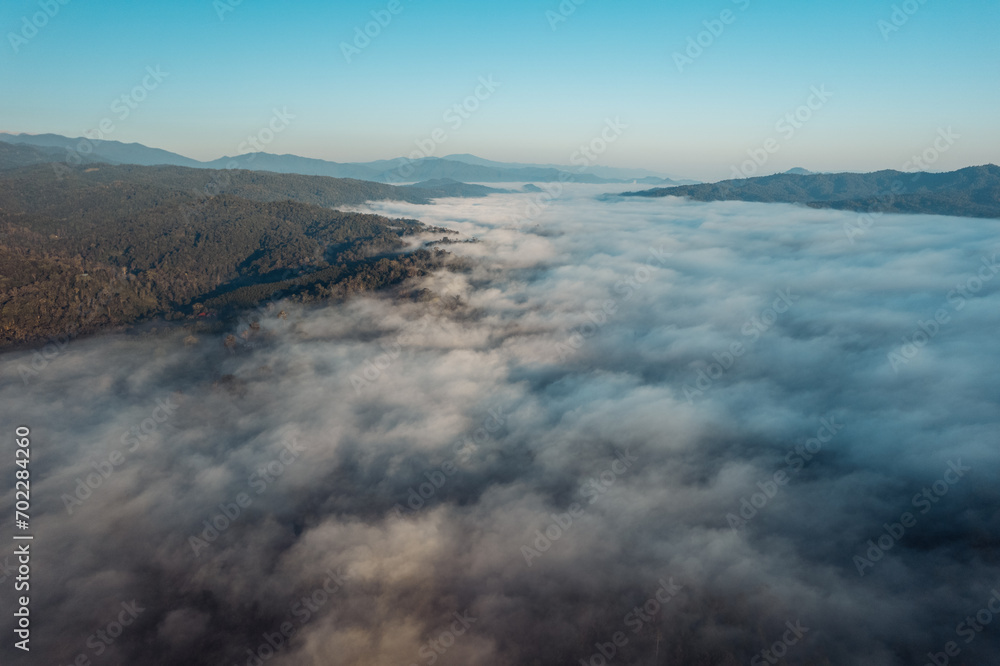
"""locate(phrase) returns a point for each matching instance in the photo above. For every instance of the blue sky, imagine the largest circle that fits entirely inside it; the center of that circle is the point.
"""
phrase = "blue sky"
(890, 92)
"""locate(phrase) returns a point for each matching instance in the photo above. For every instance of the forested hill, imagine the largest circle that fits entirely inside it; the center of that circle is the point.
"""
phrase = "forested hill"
(971, 192)
(91, 246)
(17, 155)
(37, 165)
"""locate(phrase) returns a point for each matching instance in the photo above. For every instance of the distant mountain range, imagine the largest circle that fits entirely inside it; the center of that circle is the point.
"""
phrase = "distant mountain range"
(463, 168)
(206, 183)
(612, 174)
(315, 190)
(969, 192)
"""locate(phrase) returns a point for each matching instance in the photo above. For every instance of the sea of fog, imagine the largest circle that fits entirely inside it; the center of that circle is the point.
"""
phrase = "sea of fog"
(634, 431)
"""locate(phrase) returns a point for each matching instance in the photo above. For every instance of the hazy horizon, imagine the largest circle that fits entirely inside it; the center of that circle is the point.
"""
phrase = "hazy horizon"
(761, 171)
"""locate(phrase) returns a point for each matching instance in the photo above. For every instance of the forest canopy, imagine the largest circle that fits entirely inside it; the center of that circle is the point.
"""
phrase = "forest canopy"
(91, 246)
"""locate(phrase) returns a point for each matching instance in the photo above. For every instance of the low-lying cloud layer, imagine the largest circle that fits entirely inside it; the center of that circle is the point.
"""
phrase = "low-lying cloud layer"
(640, 432)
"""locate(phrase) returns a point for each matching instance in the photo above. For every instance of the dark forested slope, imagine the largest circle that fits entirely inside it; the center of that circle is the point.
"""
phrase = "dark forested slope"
(972, 192)
(96, 245)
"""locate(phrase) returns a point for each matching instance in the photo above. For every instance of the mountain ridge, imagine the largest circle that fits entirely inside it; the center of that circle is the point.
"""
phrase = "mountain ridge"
(398, 170)
(968, 192)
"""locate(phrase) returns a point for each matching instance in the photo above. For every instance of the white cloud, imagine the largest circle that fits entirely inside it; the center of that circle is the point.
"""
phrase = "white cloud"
(585, 346)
